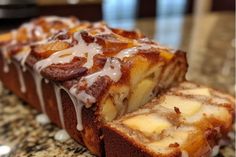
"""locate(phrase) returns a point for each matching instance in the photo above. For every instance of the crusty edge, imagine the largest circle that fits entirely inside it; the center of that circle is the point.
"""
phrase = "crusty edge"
(119, 145)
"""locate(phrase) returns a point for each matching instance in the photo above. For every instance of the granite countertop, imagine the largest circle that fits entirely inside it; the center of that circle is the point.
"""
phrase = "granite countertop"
(210, 43)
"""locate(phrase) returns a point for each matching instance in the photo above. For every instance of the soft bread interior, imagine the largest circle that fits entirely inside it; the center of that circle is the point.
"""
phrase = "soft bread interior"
(143, 79)
(148, 124)
(109, 110)
(185, 106)
(144, 85)
(141, 94)
(177, 137)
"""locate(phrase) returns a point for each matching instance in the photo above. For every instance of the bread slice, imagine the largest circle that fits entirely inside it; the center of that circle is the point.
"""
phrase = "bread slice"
(188, 120)
(91, 74)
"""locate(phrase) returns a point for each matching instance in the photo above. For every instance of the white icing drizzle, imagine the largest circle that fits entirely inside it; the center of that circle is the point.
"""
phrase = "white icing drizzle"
(82, 49)
(86, 98)
(78, 109)
(39, 32)
(57, 91)
(61, 136)
(22, 56)
(20, 77)
(132, 51)
(4, 50)
(42, 119)
(6, 60)
(38, 83)
(6, 68)
(78, 105)
(111, 69)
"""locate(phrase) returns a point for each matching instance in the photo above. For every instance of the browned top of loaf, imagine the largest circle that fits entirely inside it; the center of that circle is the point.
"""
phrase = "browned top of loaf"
(112, 41)
(36, 30)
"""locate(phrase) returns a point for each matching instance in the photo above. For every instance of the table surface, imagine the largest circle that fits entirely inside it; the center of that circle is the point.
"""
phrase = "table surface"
(209, 41)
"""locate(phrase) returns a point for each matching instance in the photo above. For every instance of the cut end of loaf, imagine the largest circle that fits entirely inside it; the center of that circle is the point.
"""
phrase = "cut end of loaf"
(185, 120)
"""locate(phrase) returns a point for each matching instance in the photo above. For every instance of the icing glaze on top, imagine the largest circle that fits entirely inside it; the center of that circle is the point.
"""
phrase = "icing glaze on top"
(35, 30)
(111, 69)
(82, 49)
(132, 51)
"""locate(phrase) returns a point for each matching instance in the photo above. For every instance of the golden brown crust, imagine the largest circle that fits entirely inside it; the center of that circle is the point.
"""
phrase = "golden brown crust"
(117, 144)
(64, 72)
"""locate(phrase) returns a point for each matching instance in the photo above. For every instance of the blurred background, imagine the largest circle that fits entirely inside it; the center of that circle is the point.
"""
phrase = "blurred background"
(203, 28)
(127, 14)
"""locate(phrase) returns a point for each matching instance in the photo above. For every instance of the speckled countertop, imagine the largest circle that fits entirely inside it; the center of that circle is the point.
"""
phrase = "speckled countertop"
(26, 137)
(210, 43)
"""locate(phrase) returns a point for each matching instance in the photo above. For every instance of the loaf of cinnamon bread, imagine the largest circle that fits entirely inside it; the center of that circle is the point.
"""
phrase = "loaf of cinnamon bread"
(83, 75)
